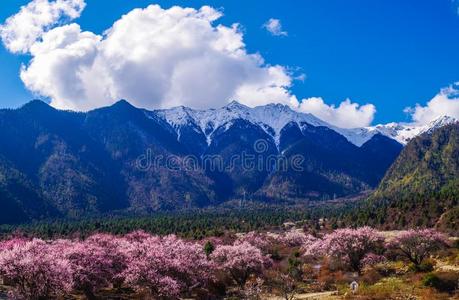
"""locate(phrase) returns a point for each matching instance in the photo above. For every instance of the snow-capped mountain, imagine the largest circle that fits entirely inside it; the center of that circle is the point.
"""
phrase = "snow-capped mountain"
(401, 132)
(272, 118)
(336, 161)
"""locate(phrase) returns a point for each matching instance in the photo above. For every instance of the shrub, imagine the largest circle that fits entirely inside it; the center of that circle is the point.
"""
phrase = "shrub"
(209, 248)
(388, 268)
(275, 255)
(294, 265)
(386, 288)
(443, 281)
(425, 266)
(371, 276)
(430, 280)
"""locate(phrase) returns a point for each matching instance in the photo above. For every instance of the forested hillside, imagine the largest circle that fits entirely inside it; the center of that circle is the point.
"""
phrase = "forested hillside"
(422, 187)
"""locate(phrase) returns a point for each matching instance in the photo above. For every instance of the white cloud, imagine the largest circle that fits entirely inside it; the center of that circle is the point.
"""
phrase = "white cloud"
(274, 26)
(22, 30)
(180, 57)
(445, 103)
(346, 115)
(154, 57)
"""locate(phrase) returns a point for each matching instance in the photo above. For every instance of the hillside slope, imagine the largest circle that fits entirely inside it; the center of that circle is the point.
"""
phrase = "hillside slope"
(421, 188)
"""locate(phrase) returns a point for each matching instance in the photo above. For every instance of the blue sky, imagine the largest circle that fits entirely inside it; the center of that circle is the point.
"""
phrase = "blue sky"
(390, 53)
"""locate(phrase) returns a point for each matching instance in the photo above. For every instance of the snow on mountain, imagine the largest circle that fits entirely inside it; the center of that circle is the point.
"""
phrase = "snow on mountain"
(401, 132)
(272, 118)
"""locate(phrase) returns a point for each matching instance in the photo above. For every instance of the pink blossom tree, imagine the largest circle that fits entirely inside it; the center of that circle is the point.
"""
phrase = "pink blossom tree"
(189, 262)
(148, 268)
(295, 238)
(348, 246)
(12, 242)
(166, 266)
(35, 270)
(256, 239)
(95, 263)
(416, 245)
(240, 260)
(137, 236)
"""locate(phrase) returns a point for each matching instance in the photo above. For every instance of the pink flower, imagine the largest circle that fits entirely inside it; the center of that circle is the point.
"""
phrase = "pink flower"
(35, 270)
(166, 266)
(296, 238)
(259, 240)
(348, 246)
(240, 260)
(416, 245)
(96, 262)
(372, 259)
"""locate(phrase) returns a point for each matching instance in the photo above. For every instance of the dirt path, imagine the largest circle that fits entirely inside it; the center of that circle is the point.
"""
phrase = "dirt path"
(310, 296)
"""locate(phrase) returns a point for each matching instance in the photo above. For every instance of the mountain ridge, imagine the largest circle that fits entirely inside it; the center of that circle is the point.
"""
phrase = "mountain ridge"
(274, 117)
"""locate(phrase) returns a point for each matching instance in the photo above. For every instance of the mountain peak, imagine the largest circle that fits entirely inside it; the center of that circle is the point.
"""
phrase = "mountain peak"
(36, 106)
(124, 107)
(279, 106)
(442, 120)
(122, 103)
(235, 105)
(35, 103)
(272, 118)
(437, 123)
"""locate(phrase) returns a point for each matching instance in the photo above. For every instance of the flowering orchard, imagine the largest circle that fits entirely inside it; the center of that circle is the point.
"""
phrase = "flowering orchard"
(162, 267)
(169, 267)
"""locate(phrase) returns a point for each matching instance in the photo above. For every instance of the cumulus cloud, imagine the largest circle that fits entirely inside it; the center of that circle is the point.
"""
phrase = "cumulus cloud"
(445, 103)
(274, 27)
(22, 30)
(179, 57)
(153, 57)
(346, 115)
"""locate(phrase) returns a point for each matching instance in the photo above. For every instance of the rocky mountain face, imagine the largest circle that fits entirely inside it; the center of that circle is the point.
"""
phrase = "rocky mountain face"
(122, 158)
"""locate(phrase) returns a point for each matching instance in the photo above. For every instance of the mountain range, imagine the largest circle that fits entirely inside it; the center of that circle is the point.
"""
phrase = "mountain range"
(56, 163)
(274, 117)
